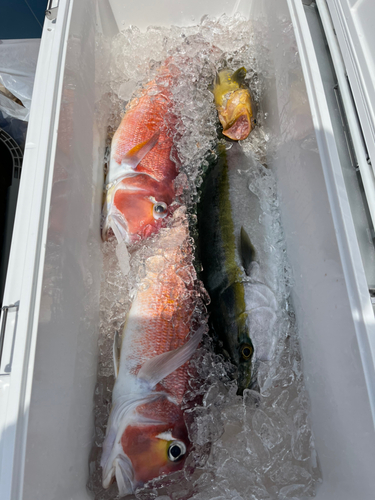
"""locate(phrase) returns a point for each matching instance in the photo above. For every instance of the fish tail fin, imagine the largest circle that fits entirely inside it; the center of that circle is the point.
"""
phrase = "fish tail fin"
(239, 76)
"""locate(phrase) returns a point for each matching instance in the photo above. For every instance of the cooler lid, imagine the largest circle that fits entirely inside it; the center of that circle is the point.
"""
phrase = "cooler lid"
(354, 23)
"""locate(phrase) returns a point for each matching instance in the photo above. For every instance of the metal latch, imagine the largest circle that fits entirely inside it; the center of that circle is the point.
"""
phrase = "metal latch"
(51, 12)
(5, 310)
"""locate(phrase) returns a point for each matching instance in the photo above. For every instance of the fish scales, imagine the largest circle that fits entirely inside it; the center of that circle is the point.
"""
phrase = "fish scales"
(243, 302)
(145, 117)
(163, 321)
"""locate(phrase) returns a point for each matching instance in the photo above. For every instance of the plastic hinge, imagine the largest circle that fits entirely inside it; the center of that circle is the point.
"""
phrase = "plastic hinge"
(51, 12)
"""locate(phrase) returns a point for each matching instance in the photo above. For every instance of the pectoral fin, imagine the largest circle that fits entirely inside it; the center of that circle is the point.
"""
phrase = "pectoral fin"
(135, 156)
(156, 369)
(247, 251)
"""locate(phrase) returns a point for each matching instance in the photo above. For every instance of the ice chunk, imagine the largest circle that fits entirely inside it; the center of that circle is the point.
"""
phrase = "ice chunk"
(266, 430)
(204, 425)
(301, 438)
(126, 90)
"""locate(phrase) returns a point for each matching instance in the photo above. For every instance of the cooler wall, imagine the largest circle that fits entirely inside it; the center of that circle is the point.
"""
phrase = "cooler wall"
(60, 430)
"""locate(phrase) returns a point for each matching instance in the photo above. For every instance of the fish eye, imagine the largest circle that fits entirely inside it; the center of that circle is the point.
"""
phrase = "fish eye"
(176, 451)
(246, 351)
(160, 210)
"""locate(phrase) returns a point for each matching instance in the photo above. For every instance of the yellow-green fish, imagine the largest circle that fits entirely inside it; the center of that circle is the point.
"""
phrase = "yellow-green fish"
(239, 269)
(233, 103)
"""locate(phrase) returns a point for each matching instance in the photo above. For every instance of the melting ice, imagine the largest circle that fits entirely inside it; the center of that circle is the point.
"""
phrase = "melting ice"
(258, 446)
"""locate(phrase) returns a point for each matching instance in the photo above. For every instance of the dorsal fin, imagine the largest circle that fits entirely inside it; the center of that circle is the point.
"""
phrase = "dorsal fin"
(136, 154)
(156, 369)
(247, 251)
(239, 75)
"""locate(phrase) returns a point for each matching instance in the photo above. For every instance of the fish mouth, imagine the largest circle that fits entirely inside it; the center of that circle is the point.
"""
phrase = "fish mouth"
(116, 465)
(122, 469)
(245, 377)
(114, 461)
(236, 115)
(240, 129)
(117, 223)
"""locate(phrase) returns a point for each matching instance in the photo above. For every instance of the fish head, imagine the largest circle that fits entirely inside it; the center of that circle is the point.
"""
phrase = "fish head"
(245, 352)
(241, 351)
(238, 347)
(234, 331)
(157, 448)
(137, 205)
(255, 338)
(153, 443)
(234, 105)
(250, 341)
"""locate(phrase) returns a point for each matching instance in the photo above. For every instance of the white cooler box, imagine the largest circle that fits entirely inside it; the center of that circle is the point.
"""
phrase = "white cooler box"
(50, 329)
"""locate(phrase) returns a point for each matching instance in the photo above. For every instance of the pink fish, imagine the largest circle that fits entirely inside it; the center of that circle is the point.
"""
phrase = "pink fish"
(140, 180)
(146, 433)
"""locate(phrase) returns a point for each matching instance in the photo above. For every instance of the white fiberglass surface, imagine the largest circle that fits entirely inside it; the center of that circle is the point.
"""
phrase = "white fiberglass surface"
(353, 21)
(60, 422)
(61, 414)
(340, 409)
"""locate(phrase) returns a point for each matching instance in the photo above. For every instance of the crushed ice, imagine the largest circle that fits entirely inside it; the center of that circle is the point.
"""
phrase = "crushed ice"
(258, 446)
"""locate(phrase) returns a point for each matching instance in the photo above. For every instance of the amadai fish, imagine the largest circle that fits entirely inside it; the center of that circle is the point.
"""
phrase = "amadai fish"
(146, 433)
(238, 269)
(139, 183)
(233, 103)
